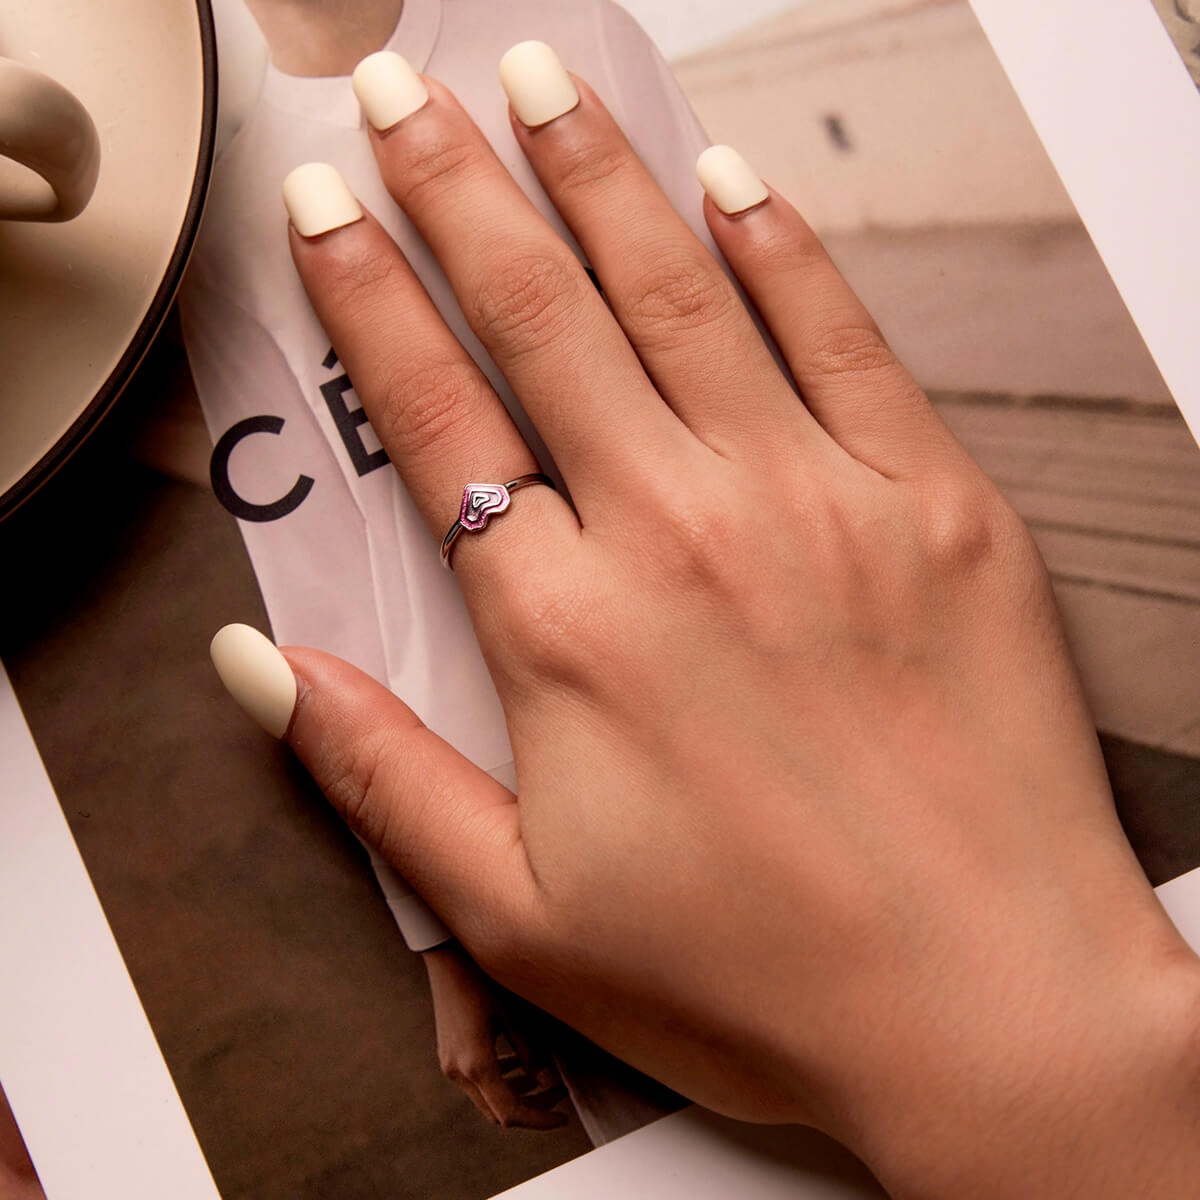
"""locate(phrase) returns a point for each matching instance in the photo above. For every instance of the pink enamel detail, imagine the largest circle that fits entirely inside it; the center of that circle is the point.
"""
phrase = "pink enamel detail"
(481, 501)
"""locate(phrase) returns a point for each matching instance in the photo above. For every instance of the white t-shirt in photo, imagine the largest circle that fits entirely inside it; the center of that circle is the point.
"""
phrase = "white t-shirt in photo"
(343, 558)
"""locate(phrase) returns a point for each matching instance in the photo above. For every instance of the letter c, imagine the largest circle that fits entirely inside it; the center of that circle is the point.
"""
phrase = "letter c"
(218, 473)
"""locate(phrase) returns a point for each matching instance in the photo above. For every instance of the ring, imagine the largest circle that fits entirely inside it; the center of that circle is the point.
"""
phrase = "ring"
(481, 502)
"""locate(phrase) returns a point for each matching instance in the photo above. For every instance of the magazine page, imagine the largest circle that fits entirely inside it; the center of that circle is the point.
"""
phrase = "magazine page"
(308, 1012)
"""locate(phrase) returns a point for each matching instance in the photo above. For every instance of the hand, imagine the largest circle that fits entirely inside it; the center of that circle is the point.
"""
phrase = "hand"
(510, 1087)
(812, 823)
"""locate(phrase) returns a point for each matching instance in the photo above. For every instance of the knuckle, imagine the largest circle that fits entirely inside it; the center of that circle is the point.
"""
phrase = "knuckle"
(700, 541)
(354, 789)
(967, 527)
(473, 1071)
(429, 404)
(368, 782)
(849, 351)
(679, 294)
(550, 619)
(788, 250)
(521, 302)
(357, 278)
(465, 1075)
(584, 164)
(430, 167)
(885, 404)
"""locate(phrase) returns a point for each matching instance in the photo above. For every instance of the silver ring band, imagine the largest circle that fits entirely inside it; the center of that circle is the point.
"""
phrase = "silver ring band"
(481, 502)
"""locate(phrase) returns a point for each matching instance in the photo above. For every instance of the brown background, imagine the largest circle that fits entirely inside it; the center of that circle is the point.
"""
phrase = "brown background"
(295, 1023)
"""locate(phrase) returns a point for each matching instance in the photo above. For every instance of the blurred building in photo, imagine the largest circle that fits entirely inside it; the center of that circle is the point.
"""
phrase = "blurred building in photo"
(878, 113)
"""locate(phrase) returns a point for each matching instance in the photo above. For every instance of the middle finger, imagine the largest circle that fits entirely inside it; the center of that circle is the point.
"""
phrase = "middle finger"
(523, 292)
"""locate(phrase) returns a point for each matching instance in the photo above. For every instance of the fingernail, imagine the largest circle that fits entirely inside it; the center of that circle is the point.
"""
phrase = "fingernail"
(728, 179)
(538, 86)
(256, 675)
(388, 89)
(318, 200)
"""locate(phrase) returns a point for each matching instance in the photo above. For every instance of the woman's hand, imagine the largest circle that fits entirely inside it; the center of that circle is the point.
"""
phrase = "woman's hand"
(812, 824)
(508, 1085)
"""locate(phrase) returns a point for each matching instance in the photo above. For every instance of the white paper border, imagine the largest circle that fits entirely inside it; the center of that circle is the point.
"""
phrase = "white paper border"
(1119, 116)
(81, 1069)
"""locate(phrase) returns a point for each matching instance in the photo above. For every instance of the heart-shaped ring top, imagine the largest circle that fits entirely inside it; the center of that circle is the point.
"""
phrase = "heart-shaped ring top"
(481, 501)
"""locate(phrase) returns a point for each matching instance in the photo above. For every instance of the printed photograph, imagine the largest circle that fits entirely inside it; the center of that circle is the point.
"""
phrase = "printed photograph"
(1182, 19)
(328, 1037)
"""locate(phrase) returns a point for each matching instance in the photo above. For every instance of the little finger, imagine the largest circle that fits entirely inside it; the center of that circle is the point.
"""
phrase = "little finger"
(849, 377)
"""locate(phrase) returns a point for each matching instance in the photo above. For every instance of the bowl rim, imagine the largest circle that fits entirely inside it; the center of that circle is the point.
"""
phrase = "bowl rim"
(69, 441)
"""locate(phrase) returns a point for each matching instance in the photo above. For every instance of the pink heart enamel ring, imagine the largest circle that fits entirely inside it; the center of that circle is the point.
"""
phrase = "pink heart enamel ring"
(483, 501)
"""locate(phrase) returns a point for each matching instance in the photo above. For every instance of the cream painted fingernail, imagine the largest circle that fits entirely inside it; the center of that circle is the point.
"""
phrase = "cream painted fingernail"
(727, 177)
(388, 89)
(257, 676)
(318, 200)
(538, 86)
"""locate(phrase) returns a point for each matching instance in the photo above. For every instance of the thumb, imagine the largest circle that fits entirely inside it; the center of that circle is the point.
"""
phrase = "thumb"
(451, 830)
